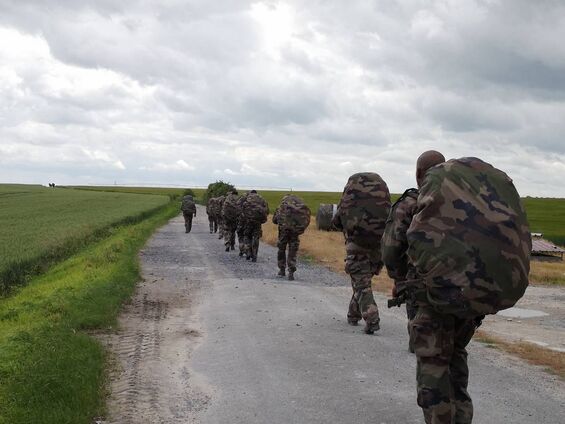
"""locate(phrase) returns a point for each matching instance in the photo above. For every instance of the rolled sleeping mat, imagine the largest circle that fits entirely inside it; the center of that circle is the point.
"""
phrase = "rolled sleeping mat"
(326, 213)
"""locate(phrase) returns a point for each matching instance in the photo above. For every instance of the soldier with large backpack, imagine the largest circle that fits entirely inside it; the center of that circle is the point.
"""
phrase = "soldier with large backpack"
(292, 218)
(240, 228)
(229, 219)
(361, 215)
(394, 247)
(255, 213)
(188, 209)
(470, 245)
(212, 220)
(219, 205)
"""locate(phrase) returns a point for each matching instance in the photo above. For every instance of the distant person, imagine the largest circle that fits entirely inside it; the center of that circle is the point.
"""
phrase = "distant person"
(361, 216)
(219, 205)
(240, 228)
(292, 218)
(229, 218)
(212, 221)
(188, 209)
(255, 213)
(395, 247)
(470, 246)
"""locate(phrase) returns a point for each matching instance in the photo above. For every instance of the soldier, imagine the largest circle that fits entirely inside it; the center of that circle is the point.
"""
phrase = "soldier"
(395, 246)
(188, 209)
(470, 245)
(361, 215)
(212, 221)
(218, 211)
(229, 218)
(292, 218)
(240, 229)
(255, 213)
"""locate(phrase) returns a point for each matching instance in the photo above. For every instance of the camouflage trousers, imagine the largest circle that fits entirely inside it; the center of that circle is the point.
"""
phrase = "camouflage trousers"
(287, 238)
(361, 267)
(229, 233)
(220, 227)
(240, 231)
(213, 224)
(439, 342)
(410, 314)
(251, 236)
(187, 221)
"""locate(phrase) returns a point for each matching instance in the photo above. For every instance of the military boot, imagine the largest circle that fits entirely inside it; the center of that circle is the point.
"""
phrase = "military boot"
(291, 276)
(281, 272)
(371, 327)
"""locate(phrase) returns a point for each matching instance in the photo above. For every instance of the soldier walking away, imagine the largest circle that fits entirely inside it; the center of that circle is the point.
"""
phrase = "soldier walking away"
(361, 215)
(292, 218)
(188, 209)
(219, 204)
(240, 229)
(255, 213)
(212, 221)
(229, 218)
(470, 245)
(395, 245)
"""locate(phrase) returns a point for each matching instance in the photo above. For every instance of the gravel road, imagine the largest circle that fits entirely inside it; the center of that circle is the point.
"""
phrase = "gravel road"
(212, 338)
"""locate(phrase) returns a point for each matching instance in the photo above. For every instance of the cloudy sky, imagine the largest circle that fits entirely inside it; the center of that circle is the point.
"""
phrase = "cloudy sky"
(287, 94)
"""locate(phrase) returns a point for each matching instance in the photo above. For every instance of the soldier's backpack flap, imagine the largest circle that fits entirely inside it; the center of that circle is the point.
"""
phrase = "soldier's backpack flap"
(364, 208)
(255, 208)
(470, 239)
(229, 209)
(294, 214)
(188, 204)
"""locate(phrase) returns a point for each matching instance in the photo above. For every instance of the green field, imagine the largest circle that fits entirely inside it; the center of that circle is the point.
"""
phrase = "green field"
(173, 193)
(41, 225)
(52, 370)
(547, 216)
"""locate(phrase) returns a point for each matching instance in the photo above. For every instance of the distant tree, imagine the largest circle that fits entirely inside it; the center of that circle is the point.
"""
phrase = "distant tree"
(188, 192)
(219, 188)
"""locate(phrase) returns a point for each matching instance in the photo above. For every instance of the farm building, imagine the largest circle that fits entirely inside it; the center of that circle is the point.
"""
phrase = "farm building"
(541, 246)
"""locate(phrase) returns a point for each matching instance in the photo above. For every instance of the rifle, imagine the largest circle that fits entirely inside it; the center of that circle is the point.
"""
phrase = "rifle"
(404, 291)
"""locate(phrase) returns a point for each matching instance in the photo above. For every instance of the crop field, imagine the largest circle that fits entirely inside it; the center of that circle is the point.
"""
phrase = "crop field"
(173, 193)
(41, 225)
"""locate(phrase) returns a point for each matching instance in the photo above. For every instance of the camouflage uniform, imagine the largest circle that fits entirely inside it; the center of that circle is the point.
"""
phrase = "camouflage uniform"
(229, 218)
(240, 229)
(188, 209)
(361, 215)
(212, 221)
(395, 245)
(470, 244)
(255, 213)
(219, 207)
(292, 218)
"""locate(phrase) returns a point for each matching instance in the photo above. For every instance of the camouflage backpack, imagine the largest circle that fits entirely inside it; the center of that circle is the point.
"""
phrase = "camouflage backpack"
(229, 209)
(363, 209)
(293, 214)
(188, 204)
(255, 208)
(469, 239)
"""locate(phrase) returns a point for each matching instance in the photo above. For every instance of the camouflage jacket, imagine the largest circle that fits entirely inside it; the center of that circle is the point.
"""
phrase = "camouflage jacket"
(394, 243)
(210, 206)
(363, 210)
(188, 205)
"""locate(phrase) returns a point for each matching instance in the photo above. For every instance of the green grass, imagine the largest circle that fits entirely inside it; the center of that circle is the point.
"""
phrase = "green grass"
(173, 193)
(51, 369)
(547, 216)
(42, 225)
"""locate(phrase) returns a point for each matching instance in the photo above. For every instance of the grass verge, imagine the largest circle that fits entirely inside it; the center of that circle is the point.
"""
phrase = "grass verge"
(51, 370)
(551, 360)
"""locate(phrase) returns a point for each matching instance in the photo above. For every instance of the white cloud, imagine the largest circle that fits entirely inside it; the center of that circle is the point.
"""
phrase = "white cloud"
(279, 93)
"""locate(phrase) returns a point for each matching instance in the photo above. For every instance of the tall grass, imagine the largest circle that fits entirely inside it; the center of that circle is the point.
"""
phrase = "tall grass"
(51, 369)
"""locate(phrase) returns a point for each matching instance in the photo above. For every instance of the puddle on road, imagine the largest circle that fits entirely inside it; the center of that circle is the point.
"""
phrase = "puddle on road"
(522, 313)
